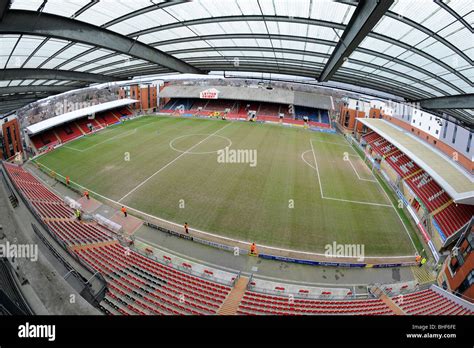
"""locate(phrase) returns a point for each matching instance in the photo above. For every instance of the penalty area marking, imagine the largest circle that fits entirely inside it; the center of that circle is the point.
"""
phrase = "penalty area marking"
(118, 136)
(339, 199)
(330, 142)
(305, 161)
(392, 205)
(171, 144)
(355, 171)
(200, 231)
(170, 163)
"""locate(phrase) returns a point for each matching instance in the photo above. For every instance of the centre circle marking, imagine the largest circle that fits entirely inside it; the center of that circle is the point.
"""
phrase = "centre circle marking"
(171, 144)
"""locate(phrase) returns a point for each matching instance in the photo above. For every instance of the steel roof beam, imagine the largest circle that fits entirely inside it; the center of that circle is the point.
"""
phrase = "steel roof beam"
(308, 71)
(454, 14)
(297, 63)
(14, 105)
(324, 55)
(14, 97)
(246, 18)
(366, 16)
(462, 101)
(332, 43)
(4, 7)
(53, 74)
(144, 10)
(34, 89)
(424, 29)
(309, 21)
(309, 53)
(31, 23)
(430, 33)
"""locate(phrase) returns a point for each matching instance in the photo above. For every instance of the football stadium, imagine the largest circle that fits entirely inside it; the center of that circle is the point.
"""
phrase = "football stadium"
(237, 158)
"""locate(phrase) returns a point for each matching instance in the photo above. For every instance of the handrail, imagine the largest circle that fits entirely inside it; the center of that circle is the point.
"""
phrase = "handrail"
(60, 242)
(181, 269)
(13, 198)
(17, 289)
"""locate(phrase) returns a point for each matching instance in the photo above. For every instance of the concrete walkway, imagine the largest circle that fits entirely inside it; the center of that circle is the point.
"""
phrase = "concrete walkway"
(44, 286)
(356, 278)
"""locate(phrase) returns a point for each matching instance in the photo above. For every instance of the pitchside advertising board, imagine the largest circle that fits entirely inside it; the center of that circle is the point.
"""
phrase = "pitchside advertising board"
(335, 264)
(210, 93)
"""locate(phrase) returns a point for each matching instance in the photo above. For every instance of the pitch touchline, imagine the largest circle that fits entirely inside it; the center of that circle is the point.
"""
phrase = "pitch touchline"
(338, 199)
(393, 206)
(170, 163)
(200, 231)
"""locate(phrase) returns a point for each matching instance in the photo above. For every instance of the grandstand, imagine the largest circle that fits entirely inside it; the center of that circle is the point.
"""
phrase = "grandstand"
(240, 109)
(237, 158)
(64, 128)
(139, 285)
(436, 195)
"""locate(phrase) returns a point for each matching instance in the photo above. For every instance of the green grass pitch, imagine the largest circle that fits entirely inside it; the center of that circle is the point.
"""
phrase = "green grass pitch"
(154, 164)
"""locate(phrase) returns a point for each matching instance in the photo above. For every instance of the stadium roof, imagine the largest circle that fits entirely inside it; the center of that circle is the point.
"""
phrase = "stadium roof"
(415, 49)
(73, 115)
(454, 180)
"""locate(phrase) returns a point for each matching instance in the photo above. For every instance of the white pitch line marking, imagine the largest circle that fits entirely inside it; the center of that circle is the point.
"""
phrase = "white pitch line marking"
(131, 131)
(71, 148)
(358, 202)
(305, 161)
(393, 206)
(317, 168)
(355, 171)
(170, 163)
(195, 229)
(329, 142)
(339, 199)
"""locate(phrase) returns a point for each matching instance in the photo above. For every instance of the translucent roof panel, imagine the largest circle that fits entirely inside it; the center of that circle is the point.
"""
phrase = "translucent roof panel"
(164, 35)
(337, 12)
(105, 11)
(7, 44)
(417, 48)
(143, 21)
(31, 5)
(37, 51)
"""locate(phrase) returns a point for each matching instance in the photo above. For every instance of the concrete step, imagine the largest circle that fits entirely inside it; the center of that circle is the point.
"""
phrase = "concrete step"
(231, 304)
(441, 208)
(423, 274)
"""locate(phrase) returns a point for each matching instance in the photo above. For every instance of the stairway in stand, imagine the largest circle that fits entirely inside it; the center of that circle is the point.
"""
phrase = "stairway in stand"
(441, 208)
(231, 304)
(423, 274)
(392, 305)
(378, 292)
